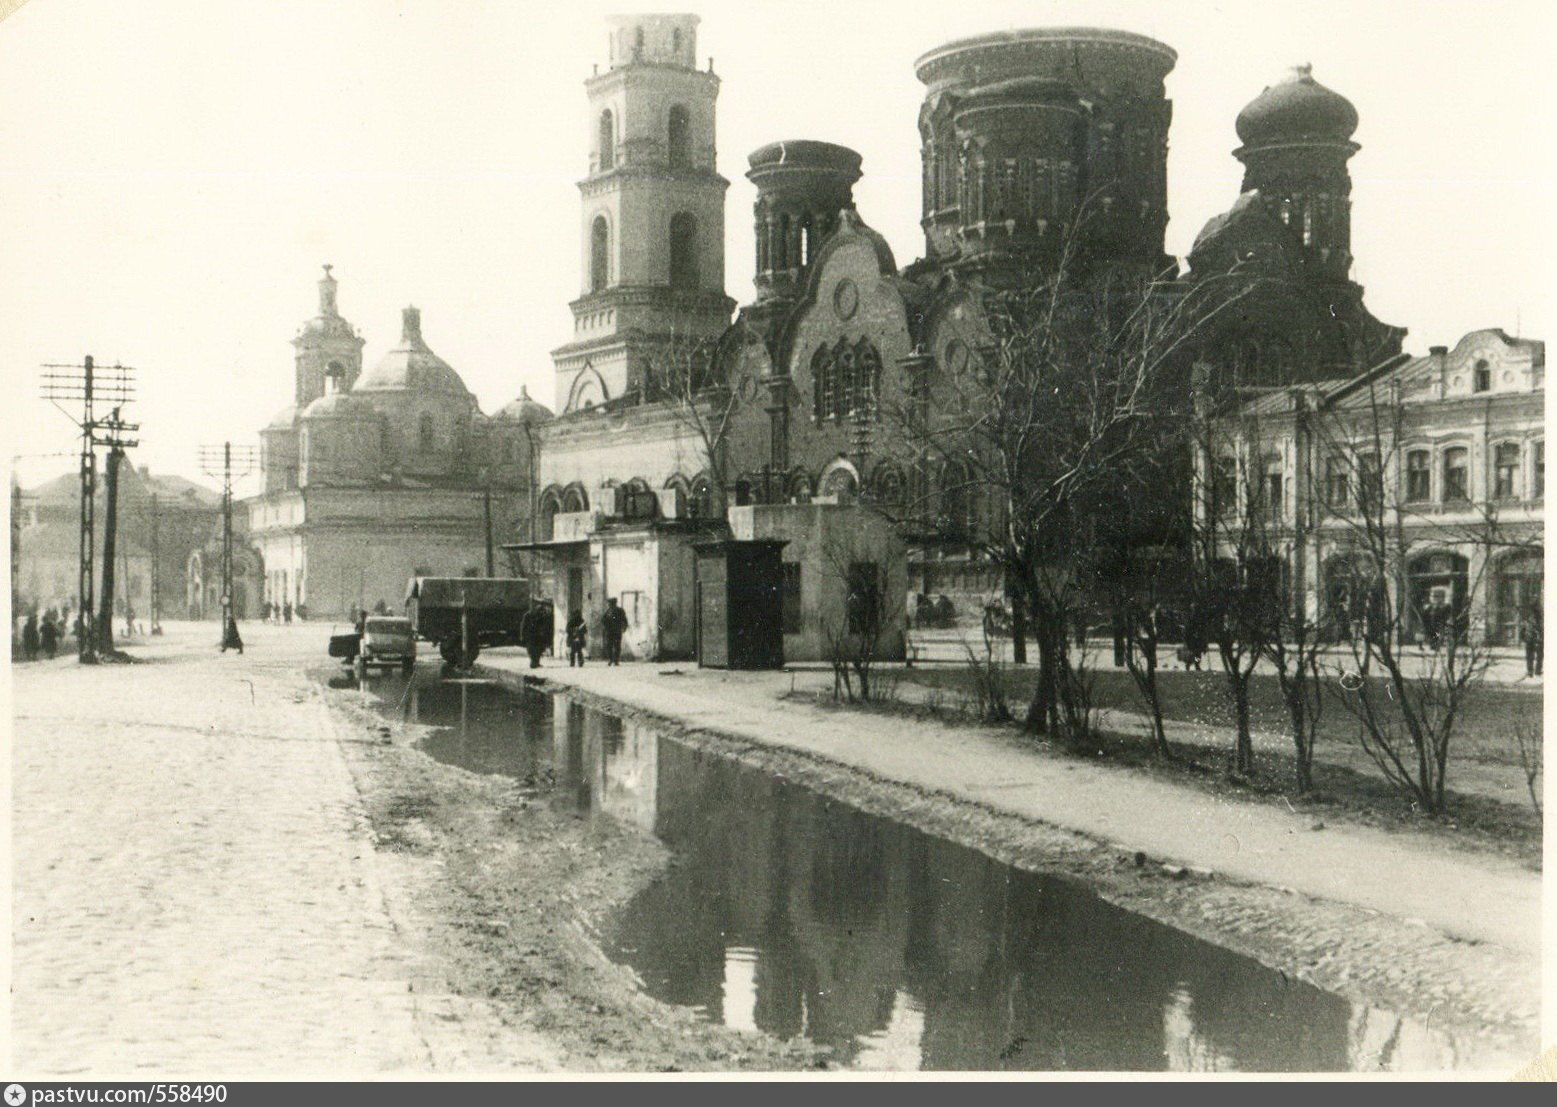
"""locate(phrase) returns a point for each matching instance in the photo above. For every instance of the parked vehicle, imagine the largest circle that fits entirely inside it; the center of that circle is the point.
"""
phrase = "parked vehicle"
(385, 642)
(463, 615)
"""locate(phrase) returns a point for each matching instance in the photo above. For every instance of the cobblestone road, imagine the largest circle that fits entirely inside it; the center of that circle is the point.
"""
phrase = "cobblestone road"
(194, 888)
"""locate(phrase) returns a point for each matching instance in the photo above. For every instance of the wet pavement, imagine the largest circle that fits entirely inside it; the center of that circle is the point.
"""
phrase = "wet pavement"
(794, 914)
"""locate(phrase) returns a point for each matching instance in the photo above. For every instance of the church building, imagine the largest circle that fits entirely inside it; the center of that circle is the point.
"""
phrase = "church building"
(373, 477)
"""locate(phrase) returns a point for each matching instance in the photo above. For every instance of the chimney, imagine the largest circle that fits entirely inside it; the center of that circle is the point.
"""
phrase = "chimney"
(411, 326)
(327, 293)
(1438, 351)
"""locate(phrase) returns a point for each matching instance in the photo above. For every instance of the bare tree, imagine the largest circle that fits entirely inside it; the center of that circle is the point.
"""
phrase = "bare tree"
(855, 635)
(1070, 404)
(682, 377)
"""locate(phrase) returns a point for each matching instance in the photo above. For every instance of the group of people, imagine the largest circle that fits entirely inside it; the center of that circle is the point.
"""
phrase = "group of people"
(938, 613)
(40, 636)
(536, 629)
(281, 613)
(1532, 635)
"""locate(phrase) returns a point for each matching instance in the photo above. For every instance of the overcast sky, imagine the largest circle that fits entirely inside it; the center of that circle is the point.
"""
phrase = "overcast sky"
(174, 172)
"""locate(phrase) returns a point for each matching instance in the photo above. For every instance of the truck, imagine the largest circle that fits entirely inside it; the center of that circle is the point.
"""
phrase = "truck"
(463, 615)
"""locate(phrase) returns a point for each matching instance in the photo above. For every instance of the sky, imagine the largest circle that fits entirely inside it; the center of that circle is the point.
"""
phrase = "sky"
(173, 173)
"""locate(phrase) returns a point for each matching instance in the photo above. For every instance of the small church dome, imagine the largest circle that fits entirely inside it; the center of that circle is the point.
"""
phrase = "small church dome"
(1296, 107)
(525, 410)
(338, 405)
(286, 419)
(411, 366)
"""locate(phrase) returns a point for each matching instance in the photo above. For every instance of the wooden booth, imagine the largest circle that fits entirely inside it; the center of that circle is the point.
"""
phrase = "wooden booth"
(740, 604)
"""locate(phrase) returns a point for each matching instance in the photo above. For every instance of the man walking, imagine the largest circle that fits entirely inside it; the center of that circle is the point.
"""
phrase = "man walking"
(30, 638)
(614, 624)
(49, 637)
(578, 636)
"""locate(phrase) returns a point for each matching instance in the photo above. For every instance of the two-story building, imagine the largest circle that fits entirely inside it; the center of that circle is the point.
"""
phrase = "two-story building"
(1435, 465)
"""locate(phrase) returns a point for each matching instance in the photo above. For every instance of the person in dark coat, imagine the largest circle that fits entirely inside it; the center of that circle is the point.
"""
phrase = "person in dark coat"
(577, 632)
(231, 639)
(286, 612)
(48, 637)
(1533, 635)
(535, 633)
(614, 625)
(30, 638)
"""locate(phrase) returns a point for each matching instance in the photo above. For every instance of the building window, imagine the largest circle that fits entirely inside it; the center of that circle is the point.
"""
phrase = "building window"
(1337, 482)
(1370, 482)
(1505, 471)
(846, 380)
(1456, 471)
(1273, 487)
(636, 500)
(678, 138)
(607, 141)
(683, 250)
(424, 433)
(1419, 476)
(599, 254)
(791, 597)
(700, 503)
(1483, 375)
(1538, 470)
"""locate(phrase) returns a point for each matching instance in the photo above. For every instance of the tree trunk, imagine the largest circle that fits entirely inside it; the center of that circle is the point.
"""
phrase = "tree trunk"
(1243, 748)
(1018, 630)
(105, 616)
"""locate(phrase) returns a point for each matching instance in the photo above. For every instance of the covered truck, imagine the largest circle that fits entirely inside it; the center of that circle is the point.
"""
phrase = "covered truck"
(460, 615)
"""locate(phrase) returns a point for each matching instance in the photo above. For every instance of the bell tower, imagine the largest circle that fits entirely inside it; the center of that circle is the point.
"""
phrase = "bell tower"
(329, 349)
(651, 224)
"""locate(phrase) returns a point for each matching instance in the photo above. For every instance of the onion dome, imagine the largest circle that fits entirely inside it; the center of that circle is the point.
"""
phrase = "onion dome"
(1295, 108)
(285, 419)
(524, 410)
(338, 405)
(411, 366)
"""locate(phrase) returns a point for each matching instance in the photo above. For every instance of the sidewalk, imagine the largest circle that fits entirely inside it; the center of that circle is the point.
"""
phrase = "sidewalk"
(1478, 897)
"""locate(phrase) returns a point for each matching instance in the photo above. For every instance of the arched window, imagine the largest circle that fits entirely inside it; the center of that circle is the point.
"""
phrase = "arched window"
(424, 433)
(574, 499)
(841, 486)
(846, 380)
(800, 489)
(607, 141)
(1419, 476)
(636, 500)
(599, 254)
(550, 506)
(678, 138)
(700, 501)
(956, 498)
(889, 485)
(683, 250)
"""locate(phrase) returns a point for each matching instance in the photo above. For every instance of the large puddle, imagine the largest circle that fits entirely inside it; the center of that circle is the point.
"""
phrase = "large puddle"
(798, 915)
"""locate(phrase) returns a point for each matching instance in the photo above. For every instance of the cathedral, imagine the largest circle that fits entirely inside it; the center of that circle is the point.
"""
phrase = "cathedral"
(1021, 132)
(371, 478)
(683, 419)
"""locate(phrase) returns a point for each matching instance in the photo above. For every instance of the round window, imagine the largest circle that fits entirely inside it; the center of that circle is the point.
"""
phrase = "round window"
(846, 299)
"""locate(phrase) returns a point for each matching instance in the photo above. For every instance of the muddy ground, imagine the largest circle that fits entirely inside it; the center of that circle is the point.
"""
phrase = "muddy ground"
(503, 894)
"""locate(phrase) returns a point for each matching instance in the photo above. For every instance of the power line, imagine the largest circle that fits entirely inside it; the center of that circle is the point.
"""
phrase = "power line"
(229, 463)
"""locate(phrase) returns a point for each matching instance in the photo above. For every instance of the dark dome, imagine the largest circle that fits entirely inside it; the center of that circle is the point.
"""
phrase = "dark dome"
(1296, 107)
(411, 366)
(337, 405)
(525, 410)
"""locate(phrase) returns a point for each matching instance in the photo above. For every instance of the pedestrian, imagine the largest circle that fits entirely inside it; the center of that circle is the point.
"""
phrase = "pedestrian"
(286, 612)
(1533, 635)
(359, 620)
(535, 632)
(30, 637)
(578, 637)
(48, 636)
(924, 611)
(265, 611)
(614, 625)
(231, 639)
(945, 612)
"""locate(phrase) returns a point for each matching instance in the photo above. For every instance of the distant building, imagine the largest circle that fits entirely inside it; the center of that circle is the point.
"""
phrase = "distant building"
(162, 519)
(371, 478)
(1451, 446)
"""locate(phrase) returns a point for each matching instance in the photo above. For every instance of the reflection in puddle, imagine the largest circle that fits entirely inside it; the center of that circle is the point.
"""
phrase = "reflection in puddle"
(795, 914)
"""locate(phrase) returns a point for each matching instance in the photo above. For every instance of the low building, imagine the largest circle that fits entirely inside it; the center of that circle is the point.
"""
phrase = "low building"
(1438, 460)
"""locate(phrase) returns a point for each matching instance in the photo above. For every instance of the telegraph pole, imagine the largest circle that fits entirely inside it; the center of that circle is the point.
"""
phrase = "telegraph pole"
(156, 568)
(228, 462)
(114, 438)
(87, 383)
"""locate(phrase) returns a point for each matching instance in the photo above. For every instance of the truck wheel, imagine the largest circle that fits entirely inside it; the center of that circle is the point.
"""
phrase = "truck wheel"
(450, 651)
